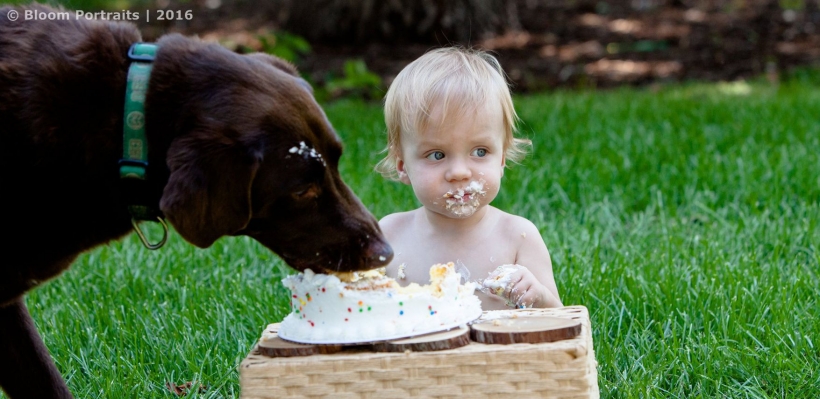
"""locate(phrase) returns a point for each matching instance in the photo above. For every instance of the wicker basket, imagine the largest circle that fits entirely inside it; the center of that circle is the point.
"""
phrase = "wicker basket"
(562, 369)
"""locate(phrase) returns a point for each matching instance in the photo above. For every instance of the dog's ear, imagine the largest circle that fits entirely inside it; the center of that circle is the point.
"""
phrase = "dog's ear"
(208, 193)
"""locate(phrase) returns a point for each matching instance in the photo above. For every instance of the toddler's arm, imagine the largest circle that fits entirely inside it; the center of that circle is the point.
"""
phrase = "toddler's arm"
(532, 284)
(525, 291)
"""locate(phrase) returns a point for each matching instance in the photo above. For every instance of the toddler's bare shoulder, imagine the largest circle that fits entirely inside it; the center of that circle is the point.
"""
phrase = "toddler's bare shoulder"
(396, 221)
(397, 217)
(514, 224)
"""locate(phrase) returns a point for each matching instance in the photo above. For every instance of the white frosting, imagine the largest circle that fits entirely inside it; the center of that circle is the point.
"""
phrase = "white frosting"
(325, 309)
(306, 151)
(464, 201)
(499, 281)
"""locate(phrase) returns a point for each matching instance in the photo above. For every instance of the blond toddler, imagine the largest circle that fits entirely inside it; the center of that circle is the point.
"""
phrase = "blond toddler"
(450, 123)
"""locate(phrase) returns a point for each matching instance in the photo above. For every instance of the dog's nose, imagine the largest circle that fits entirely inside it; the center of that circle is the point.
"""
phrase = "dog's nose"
(378, 253)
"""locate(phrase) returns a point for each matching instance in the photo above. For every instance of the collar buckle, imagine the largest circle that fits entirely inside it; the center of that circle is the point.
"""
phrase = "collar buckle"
(140, 51)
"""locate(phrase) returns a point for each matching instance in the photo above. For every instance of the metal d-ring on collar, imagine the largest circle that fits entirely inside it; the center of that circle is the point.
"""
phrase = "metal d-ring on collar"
(134, 160)
(145, 240)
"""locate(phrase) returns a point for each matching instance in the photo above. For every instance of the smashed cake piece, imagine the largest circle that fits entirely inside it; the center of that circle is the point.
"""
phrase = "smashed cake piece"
(499, 281)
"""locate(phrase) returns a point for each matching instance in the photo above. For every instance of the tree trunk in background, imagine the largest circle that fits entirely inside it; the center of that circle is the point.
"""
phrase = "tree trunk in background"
(397, 21)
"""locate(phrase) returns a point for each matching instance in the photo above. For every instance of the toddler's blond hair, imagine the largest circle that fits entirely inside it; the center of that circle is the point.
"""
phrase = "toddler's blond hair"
(464, 79)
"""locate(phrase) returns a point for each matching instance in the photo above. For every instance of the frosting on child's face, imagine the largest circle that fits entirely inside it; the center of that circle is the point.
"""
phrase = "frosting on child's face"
(464, 201)
(455, 166)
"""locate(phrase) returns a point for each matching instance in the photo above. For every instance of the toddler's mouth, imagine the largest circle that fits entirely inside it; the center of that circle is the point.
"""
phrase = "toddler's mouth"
(465, 200)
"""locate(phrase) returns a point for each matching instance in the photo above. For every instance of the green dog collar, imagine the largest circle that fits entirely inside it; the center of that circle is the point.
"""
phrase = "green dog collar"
(134, 162)
(134, 149)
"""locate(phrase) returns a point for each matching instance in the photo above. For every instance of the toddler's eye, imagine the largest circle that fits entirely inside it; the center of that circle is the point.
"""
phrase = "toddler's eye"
(480, 152)
(435, 156)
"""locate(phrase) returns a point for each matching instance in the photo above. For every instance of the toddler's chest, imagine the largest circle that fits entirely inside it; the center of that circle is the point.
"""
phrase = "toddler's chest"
(479, 259)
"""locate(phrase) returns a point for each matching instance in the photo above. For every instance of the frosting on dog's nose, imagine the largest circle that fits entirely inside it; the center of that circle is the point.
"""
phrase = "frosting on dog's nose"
(378, 253)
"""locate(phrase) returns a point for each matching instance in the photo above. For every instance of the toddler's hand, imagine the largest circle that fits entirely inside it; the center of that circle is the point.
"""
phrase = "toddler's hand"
(516, 284)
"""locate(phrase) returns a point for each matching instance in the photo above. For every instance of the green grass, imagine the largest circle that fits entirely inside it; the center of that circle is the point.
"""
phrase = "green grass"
(686, 220)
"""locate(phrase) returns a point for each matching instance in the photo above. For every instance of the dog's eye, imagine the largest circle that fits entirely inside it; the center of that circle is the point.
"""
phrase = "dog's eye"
(307, 193)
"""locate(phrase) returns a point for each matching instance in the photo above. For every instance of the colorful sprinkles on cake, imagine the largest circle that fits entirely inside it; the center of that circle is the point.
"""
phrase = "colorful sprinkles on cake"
(308, 299)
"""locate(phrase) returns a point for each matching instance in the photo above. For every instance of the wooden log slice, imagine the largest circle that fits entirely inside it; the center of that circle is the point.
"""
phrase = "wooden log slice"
(436, 341)
(524, 330)
(278, 347)
(271, 345)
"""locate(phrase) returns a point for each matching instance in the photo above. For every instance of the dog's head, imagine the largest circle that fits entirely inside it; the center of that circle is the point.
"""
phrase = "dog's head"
(255, 155)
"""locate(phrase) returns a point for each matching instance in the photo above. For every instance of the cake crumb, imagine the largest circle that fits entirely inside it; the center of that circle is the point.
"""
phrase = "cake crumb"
(307, 151)
(401, 274)
(524, 235)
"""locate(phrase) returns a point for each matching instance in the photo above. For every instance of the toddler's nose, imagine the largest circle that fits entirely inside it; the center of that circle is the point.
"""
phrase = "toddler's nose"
(458, 171)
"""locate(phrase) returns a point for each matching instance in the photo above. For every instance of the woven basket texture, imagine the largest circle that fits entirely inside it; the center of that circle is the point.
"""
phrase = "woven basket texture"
(562, 369)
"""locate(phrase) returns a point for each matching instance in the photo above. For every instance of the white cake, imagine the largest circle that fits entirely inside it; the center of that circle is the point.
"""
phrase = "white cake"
(368, 307)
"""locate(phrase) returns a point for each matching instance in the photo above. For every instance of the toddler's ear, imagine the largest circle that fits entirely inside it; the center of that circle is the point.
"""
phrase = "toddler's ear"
(402, 172)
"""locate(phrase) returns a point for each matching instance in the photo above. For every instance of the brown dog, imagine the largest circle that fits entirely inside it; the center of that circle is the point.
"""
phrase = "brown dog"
(236, 145)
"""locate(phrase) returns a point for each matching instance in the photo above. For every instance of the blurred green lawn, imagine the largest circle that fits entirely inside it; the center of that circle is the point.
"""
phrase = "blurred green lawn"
(685, 219)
